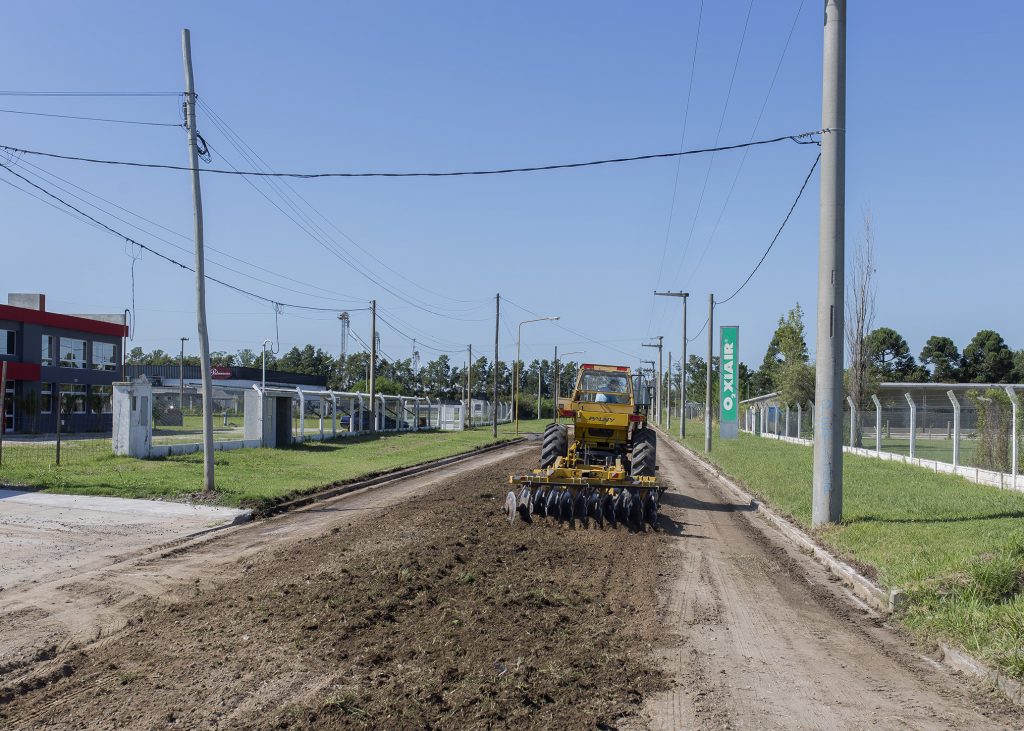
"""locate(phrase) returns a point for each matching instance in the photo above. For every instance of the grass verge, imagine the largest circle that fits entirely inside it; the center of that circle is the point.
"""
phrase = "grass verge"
(251, 477)
(956, 547)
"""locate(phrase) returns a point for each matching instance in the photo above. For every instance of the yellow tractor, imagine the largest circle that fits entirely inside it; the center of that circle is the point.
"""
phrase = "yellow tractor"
(605, 472)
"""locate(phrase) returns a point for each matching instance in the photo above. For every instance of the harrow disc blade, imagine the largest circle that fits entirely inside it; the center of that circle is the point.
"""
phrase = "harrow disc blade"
(510, 507)
(523, 506)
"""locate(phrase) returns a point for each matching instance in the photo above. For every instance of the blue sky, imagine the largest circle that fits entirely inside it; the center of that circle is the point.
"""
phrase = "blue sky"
(415, 86)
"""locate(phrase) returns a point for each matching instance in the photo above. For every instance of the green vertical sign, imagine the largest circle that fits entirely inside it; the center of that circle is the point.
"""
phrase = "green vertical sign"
(728, 382)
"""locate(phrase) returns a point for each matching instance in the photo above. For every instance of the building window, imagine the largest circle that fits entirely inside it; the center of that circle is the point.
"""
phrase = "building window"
(102, 399)
(45, 398)
(72, 397)
(72, 353)
(8, 342)
(47, 351)
(104, 356)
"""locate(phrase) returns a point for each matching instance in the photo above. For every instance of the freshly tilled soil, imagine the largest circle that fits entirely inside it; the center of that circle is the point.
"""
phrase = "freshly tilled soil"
(434, 613)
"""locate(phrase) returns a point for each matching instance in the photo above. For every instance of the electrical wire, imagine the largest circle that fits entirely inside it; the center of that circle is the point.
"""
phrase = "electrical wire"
(90, 93)
(721, 123)
(169, 259)
(91, 119)
(777, 233)
(22, 163)
(743, 159)
(416, 341)
(315, 232)
(499, 171)
(234, 137)
(559, 325)
(679, 160)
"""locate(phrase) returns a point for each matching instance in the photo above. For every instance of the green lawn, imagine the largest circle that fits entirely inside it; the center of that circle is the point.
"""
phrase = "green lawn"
(956, 547)
(244, 476)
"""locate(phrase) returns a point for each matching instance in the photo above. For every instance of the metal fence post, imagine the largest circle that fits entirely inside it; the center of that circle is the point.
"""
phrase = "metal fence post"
(1014, 437)
(787, 420)
(853, 419)
(799, 420)
(913, 423)
(956, 428)
(878, 423)
(810, 415)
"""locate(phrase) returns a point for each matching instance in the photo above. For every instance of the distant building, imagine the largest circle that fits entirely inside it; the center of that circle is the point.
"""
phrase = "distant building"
(51, 356)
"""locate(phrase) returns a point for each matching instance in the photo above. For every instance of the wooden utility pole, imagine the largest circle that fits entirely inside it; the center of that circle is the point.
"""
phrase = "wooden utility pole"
(373, 365)
(197, 203)
(682, 363)
(494, 405)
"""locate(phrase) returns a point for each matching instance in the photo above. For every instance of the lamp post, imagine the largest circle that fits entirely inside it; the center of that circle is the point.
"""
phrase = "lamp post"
(558, 375)
(515, 380)
(181, 381)
(682, 361)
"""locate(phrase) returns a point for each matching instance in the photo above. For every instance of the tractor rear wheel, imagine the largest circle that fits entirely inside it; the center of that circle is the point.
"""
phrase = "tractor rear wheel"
(555, 444)
(644, 459)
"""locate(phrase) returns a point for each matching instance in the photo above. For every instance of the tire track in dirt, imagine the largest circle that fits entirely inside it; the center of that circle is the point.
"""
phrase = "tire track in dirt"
(431, 612)
(787, 648)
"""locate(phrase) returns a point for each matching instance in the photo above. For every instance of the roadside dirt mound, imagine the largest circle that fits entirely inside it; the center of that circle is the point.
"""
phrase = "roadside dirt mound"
(431, 614)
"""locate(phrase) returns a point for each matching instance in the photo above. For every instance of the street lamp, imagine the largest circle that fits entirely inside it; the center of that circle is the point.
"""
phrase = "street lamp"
(558, 379)
(682, 376)
(515, 366)
(181, 381)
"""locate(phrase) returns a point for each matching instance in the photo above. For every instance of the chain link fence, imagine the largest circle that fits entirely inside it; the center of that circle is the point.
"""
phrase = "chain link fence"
(960, 425)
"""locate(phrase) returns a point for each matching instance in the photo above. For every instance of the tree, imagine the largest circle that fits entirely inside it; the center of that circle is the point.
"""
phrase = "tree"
(941, 354)
(787, 349)
(1018, 367)
(987, 359)
(890, 355)
(860, 316)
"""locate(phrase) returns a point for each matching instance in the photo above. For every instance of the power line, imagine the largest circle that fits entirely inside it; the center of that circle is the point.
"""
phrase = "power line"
(177, 246)
(417, 341)
(743, 158)
(90, 93)
(169, 259)
(798, 138)
(570, 330)
(321, 237)
(234, 137)
(721, 123)
(92, 119)
(777, 233)
(679, 160)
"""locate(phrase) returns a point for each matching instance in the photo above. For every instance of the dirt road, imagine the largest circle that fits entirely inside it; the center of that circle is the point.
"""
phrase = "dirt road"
(765, 639)
(413, 605)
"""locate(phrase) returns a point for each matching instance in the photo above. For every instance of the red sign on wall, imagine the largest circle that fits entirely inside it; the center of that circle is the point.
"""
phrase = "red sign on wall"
(220, 372)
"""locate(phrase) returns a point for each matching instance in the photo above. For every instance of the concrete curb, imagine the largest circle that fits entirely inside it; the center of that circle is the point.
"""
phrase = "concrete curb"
(863, 587)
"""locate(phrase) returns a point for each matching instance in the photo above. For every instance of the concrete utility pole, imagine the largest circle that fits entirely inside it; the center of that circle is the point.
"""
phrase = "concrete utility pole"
(181, 381)
(827, 496)
(494, 405)
(554, 373)
(469, 388)
(197, 202)
(707, 378)
(373, 365)
(668, 396)
(657, 382)
(682, 362)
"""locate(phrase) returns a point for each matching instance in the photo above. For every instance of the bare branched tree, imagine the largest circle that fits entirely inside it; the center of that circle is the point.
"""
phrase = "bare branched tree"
(860, 317)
